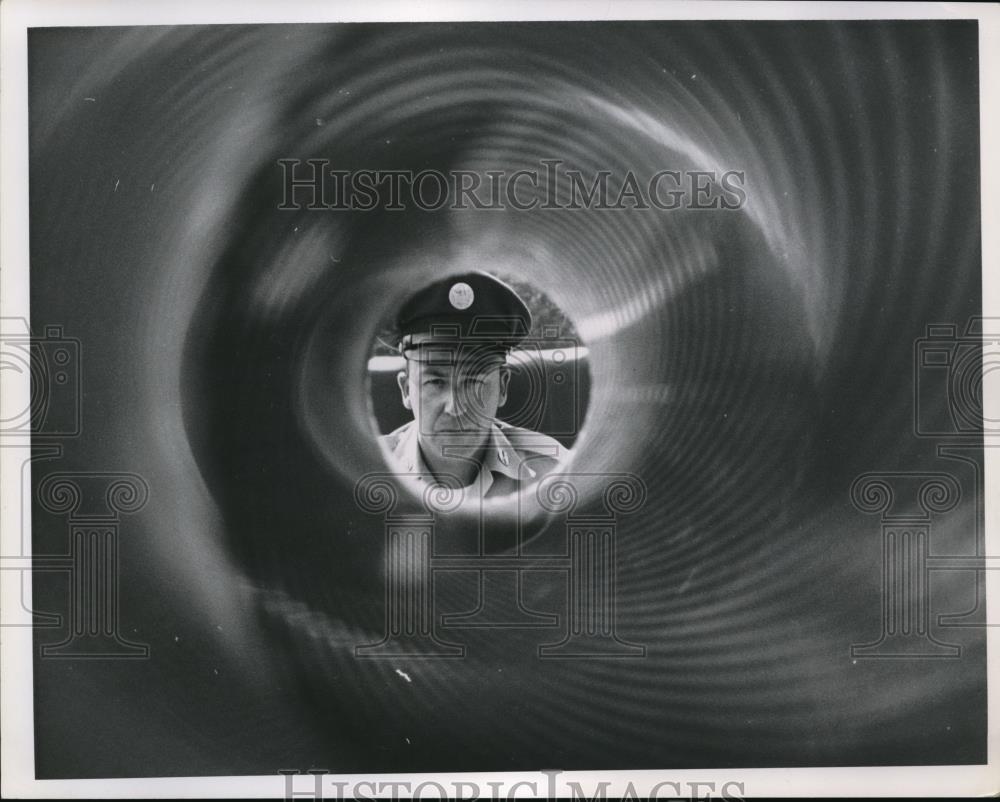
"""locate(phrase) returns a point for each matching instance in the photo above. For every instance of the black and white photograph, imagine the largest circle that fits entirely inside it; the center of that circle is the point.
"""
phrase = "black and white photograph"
(481, 401)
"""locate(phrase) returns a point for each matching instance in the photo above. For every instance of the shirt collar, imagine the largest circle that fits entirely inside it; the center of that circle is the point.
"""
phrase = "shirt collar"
(500, 457)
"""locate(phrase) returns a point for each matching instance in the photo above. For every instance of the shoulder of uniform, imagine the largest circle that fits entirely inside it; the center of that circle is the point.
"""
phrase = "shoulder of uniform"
(392, 439)
(531, 441)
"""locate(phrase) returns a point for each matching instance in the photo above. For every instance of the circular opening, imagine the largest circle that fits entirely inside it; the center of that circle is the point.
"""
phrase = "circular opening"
(451, 409)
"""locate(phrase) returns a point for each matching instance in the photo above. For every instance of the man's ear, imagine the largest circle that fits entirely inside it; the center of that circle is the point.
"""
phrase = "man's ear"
(404, 388)
(504, 384)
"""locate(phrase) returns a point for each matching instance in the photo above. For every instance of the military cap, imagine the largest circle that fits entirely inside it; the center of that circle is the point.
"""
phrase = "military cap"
(474, 309)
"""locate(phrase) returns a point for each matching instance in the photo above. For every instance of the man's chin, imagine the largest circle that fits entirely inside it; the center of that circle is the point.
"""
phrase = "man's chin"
(456, 440)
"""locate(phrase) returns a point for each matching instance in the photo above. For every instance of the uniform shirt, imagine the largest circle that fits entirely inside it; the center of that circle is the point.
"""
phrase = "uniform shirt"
(514, 457)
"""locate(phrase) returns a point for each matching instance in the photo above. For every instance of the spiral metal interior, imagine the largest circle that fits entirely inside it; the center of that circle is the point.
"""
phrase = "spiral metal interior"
(745, 365)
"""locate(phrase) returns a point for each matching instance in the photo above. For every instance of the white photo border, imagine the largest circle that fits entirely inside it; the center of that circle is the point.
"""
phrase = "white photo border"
(17, 712)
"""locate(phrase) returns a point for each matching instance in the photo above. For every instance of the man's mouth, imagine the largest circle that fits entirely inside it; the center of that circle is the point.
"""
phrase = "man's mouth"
(456, 428)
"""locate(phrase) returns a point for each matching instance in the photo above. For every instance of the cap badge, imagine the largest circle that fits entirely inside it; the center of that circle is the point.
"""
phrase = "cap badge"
(461, 295)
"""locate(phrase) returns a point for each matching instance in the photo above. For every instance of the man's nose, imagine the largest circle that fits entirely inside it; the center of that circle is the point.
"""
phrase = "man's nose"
(459, 403)
(451, 403)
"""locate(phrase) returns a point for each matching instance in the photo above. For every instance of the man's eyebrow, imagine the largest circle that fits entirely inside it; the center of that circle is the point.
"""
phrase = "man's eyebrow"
(433, 370)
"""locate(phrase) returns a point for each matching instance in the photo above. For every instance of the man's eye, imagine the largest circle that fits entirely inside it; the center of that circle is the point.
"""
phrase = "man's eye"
(433, 382)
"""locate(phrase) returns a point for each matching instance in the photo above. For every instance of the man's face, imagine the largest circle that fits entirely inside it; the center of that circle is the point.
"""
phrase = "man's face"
(453, 404)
